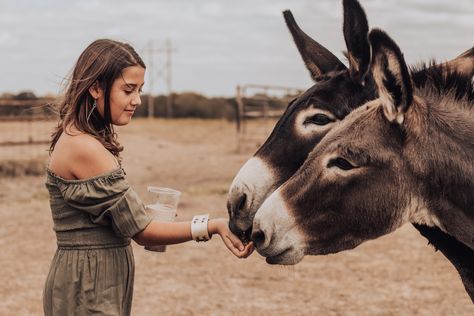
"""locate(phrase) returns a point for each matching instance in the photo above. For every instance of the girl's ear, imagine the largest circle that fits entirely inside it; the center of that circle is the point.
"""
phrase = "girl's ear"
(95, 90)
(391, 76)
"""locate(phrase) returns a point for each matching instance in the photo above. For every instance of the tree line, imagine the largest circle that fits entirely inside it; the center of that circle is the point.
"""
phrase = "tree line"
(185, 104)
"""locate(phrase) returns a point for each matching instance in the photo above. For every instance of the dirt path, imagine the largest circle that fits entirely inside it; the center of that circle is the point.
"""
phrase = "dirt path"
(394, 275)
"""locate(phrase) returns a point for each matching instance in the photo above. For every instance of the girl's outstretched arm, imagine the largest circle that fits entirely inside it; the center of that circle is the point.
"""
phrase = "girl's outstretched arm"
(166, 233)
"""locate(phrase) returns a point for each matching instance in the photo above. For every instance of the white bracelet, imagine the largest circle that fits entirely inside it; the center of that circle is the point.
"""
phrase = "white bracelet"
(199, 228)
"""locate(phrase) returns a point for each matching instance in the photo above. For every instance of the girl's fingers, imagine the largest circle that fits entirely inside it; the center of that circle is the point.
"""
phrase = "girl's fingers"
(244, 253)
(235, 245)
(249, 248)
(236, 242)
(231, 247)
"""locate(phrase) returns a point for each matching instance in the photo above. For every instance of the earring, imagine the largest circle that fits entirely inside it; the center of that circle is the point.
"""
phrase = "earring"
(94, 105)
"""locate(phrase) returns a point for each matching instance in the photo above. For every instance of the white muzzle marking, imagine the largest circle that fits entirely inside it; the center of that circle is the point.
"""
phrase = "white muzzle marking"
(280, 229)
(256, 181)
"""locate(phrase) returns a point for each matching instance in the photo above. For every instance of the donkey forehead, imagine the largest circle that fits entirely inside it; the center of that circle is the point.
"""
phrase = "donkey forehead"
(334, 93)
(365, 128)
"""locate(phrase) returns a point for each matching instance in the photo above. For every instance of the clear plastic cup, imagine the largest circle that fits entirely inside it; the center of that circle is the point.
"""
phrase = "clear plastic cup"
(163, 208)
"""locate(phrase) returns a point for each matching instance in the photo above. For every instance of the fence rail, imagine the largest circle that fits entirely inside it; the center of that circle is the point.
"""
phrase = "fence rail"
(25, 129)
(260, 101)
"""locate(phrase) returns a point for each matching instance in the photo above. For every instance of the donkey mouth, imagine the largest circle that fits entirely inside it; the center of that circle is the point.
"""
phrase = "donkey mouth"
(284, 258)
(245, 235)
(236, 228)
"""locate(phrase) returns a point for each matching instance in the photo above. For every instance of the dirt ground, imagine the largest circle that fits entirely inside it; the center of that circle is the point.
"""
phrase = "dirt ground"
(394, 275)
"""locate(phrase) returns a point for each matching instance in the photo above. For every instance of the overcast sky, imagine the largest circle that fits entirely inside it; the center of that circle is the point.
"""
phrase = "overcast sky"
(219, 44)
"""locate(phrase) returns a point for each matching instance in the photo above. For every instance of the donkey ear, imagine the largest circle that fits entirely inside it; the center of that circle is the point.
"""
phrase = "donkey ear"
(463, 64)
(391, 76)
(356, 30)
(318, 59)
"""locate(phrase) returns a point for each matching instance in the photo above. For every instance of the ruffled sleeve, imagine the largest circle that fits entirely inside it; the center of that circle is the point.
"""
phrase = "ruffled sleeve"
(109, 200)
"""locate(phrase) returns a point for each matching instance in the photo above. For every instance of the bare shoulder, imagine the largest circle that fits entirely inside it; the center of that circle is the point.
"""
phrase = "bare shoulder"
(81, 156)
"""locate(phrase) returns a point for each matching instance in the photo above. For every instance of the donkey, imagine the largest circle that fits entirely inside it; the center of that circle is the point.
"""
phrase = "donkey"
(406, 156)
(337, 91)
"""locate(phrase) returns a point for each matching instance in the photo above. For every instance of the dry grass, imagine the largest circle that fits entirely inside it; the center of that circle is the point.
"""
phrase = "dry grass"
(20, 168)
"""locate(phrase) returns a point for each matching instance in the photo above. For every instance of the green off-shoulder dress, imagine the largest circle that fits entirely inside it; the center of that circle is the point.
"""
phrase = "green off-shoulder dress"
(92, 271)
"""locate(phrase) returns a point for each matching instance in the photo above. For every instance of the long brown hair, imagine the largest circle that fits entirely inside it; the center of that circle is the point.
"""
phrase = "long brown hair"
(100, 63)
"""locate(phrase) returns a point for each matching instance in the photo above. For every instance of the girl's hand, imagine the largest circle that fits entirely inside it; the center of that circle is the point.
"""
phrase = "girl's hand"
(232, 242)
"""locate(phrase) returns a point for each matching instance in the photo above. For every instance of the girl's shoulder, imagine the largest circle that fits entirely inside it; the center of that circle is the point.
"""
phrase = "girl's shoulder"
(80, 156)
(81, 143)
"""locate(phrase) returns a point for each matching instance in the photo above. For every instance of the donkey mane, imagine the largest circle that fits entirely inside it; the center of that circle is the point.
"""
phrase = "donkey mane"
(439, 79)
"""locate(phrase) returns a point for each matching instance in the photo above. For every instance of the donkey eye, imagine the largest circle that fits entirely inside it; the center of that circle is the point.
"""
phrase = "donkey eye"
(340, 163)
(318, 119)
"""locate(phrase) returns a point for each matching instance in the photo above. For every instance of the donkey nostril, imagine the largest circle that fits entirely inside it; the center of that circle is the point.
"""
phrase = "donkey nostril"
(258, 237)
(235, 204)
(241, 202)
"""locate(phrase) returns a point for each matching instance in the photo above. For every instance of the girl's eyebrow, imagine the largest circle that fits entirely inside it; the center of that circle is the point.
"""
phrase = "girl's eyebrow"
(131, 85)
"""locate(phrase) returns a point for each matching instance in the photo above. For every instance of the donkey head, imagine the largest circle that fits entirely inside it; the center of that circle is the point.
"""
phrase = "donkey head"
(336, 92)
(356, 184)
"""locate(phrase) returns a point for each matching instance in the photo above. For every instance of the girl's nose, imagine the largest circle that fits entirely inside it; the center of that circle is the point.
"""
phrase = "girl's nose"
(137, 100)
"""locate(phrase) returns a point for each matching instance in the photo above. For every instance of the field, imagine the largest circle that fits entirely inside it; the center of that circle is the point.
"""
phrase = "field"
(394, 275)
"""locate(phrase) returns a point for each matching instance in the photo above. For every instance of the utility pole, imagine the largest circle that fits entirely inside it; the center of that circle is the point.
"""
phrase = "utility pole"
(169, 101)
(151, 52)
(151, 78)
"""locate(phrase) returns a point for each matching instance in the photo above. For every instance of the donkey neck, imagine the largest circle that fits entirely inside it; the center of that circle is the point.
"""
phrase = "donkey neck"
(439, 150)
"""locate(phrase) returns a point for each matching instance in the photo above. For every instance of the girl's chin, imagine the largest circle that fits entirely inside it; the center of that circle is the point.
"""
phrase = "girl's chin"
(122, 121)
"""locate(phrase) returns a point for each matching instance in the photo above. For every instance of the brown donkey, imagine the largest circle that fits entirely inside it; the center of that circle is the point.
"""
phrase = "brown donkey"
(404, 157)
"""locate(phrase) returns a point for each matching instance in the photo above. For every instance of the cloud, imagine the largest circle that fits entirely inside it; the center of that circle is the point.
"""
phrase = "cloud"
(219, 43)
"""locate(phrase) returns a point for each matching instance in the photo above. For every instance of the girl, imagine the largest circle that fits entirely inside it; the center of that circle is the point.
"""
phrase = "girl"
(95, 211)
